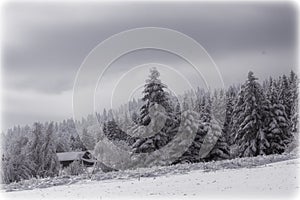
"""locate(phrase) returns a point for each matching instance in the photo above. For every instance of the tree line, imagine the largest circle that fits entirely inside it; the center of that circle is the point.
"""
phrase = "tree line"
(250, 119)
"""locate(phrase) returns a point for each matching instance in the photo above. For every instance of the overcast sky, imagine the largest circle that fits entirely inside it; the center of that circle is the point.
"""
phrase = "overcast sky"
(44, 45)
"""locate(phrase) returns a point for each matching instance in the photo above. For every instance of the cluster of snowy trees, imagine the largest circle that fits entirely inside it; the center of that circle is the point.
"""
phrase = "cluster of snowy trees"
(29, 152)
(240, 121)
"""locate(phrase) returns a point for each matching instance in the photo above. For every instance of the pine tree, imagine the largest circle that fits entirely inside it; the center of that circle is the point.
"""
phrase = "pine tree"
(87, 139)
(216, 137)
(293, 146)
(36, 148)
(295, 118)
(230, 101)
(153, 93)
(251, 134)
(279, 135)
(203, 108)
(209, 142)
(157, 99)
(206, 108)
(50, 164)
(294, 129)
(285, 95)
(43, 151)
(214, 145)
(16, 163)
(236, 119)
(113, 132)
(294, 100)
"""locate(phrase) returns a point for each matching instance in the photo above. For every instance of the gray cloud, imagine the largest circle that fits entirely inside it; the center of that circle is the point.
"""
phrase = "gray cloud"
(44, 44)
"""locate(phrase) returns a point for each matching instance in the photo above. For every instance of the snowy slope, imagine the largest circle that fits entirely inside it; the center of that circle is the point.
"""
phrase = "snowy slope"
(278, 179)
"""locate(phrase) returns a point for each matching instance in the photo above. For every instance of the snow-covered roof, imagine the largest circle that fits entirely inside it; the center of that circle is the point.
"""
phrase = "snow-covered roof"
(67, 156)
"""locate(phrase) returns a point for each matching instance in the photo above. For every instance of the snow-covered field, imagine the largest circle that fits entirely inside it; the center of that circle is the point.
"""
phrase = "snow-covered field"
(279, 179)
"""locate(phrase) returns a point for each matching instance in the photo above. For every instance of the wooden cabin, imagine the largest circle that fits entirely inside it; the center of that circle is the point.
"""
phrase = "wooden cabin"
(86, 157)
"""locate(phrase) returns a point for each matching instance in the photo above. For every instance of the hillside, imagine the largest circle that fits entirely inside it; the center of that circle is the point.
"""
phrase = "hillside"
(277, 179)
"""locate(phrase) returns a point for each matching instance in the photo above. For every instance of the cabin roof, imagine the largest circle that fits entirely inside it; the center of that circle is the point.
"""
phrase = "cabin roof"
(68, 156)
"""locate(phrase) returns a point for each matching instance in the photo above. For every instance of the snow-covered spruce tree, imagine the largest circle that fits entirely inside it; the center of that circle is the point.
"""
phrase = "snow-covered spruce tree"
(294, 145)
(114, 132)
(293, 86)
(295, 118)
(203, 108)
(294, 100)
(153, 93)
(156, 97)
(236, 119)
(50, 166)
(230, 101)
(209, 143)
(285, 95)
(278, 132)
(218, 107)
(214, 145)
(206, 108)
(186, 139)
(88, 139)
(43, 151)
(251, 136)
(35, 148)
(294, 112)
(16, 163)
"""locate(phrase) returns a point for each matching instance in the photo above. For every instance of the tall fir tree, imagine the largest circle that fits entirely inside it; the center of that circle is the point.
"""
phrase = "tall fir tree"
(36, 148)
(50, 165)
(214, 145)
(230, 101)
(285, 95)
(236, 119)
(294, 100)
(16, 162)
(209, 142)
(294, 128)
(43, 151)
(279, 135)
(154, 93)
(253, 111)
(157, 99)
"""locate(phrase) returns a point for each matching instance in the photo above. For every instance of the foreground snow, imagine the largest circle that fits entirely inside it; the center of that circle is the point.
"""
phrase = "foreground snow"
(278, 179)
